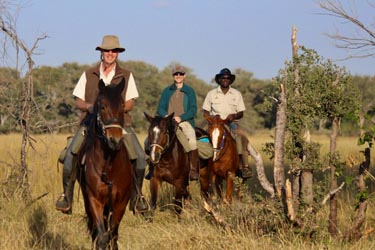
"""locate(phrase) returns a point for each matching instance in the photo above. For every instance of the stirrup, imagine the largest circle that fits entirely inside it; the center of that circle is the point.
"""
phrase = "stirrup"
(65, 210)
(246, 172)
(141, 199)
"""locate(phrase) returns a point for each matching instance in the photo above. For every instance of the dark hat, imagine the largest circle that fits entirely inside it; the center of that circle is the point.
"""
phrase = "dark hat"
(110, 42)
(225, 72)
(178, 68)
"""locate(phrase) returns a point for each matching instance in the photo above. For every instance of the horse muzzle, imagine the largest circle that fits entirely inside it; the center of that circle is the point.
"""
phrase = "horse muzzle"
(216, 154)
(114, 143)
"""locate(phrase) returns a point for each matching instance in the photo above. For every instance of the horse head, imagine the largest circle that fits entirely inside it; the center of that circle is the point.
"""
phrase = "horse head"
(160, 135)
(109, 110)
(218, 133)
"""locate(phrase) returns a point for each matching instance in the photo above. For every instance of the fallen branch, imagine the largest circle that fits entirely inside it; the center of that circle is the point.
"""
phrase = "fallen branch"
(332, 193)
(260, 170)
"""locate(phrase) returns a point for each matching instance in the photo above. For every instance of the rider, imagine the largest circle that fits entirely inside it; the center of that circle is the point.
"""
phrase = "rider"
(85, 93)
(228, 103)
(180, 99)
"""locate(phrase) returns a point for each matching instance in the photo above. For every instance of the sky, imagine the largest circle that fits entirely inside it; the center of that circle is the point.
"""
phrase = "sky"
(203, 35)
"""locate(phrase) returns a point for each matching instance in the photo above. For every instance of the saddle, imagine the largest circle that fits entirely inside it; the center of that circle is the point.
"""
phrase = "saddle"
(205, 149)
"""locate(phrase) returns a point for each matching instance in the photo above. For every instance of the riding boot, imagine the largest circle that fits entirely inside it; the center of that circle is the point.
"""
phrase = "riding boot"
(64, 203)
(194, 165)
(137, 202)
(246, 171)
(245, 168)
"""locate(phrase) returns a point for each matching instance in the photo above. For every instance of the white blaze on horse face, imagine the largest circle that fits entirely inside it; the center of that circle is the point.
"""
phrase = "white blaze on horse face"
(215, 141)
(156, 132)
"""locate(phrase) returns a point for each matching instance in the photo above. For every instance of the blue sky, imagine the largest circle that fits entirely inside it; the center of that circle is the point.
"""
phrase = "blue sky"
(204, 35)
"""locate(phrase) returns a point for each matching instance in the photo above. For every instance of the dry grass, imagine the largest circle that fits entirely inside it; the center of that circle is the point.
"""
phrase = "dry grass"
(255, 224)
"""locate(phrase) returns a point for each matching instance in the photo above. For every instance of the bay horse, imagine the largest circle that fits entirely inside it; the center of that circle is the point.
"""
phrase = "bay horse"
(106, 179)
(169, 160)
(225, 161)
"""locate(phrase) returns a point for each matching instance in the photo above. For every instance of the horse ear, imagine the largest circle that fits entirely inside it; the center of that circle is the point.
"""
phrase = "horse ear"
(171, 115)
(148, 117)
(101, 85)
(121, 85)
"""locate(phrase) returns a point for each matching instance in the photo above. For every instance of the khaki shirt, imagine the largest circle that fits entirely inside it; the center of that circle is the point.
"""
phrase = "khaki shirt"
(218, 103)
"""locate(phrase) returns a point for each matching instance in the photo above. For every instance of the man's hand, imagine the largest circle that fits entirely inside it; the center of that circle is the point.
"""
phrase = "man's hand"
(177, 119)
(90, 108)
(231, 117)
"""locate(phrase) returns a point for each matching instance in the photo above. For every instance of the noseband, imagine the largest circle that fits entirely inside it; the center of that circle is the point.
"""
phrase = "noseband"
(111, 123)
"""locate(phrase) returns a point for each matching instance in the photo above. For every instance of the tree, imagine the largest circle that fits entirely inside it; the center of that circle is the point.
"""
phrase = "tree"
(362, 41)
(8, 28)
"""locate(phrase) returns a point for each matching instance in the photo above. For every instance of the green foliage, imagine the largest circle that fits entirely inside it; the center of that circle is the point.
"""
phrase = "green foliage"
(322, 92)
(367, 137)
(54, 107)
(335, 159)
(361, 197)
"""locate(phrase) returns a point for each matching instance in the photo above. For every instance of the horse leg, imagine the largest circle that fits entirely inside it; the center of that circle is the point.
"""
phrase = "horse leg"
(154, 188)
(215, 187)
(115, 223)
(181, 190)
(229, 189)
(205, 183)
(99, 235)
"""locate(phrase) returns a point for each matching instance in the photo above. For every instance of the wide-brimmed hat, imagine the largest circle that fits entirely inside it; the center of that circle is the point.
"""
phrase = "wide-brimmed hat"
(225, 72)
(110, 42)
(178, 69)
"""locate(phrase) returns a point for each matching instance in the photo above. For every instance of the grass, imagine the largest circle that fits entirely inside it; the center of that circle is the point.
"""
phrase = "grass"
(255, 222)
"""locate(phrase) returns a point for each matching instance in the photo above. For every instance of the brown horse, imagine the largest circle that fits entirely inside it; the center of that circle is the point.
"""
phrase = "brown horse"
(106, 179)
(225, 161)
(169, 160)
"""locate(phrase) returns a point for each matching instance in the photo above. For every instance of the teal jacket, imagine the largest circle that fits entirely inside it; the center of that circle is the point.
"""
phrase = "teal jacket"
(190, 103)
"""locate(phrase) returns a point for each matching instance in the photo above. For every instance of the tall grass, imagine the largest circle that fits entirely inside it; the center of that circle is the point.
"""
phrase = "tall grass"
(254, 222)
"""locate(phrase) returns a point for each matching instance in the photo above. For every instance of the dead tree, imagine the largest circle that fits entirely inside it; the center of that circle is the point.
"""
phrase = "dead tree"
(8, 27)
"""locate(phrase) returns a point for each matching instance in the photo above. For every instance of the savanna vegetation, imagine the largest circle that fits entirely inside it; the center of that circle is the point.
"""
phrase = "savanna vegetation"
(311, 131)
(255, 222)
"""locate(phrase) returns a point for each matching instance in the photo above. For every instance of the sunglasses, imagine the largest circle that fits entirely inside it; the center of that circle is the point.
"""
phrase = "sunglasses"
(111, 50)
(225, 78)
(179, 74)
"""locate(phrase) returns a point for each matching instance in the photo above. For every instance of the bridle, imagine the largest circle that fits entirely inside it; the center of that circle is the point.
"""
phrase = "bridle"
(220, 150)
(170, 140)
(111, 123)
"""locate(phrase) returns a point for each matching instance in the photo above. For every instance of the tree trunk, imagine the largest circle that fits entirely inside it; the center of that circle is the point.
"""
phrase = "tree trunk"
(24, 122)
(332, 221)
(307, 186)
(355, 233)
(279, 171)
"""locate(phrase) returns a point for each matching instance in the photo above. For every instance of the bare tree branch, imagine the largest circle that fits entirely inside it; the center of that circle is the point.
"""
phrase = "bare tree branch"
(362, 42)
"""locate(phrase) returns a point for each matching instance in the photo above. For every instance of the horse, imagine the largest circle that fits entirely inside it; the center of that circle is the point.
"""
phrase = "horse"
(105, 180)
(170, 162)
(224, 164)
